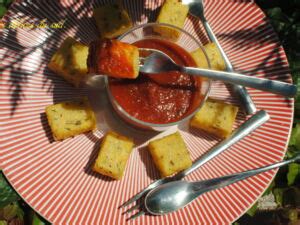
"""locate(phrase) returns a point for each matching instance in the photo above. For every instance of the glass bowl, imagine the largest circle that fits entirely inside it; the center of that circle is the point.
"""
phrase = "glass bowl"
(185, 41)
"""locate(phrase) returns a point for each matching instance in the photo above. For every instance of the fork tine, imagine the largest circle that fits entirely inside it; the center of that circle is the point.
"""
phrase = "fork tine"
(140, 213)
(143, 192)
(137, 206)
(134, 198)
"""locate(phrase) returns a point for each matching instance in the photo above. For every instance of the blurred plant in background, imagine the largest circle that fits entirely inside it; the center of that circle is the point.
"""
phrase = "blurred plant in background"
(13, 210)
(280, 204)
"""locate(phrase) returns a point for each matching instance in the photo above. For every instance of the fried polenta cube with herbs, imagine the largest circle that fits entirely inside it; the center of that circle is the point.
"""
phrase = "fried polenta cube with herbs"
(68, 119)
(216, 118)
(70, 61)
(170, 154)
(79, 54)
(213, 54)
(174, 13)
(112, 20)
(113, 155)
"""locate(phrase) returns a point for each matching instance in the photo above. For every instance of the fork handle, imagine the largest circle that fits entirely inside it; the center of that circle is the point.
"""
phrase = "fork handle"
(220, 182)
(246, 101)
(214, 39)
(277, 87)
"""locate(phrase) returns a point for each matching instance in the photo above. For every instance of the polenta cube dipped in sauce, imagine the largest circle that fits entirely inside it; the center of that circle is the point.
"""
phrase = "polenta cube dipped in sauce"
(112, 20)
(68, 119)
(170, 154)
(70, 61)
(113, 58)
(216, 118)
(174, 13)
(113, 155)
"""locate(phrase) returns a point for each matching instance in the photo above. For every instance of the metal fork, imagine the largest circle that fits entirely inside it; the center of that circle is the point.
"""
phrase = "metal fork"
(158, 62)
(246, 128)
(196, 8)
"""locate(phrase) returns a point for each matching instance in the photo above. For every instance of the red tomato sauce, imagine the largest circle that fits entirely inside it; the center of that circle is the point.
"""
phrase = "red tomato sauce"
(160, 98)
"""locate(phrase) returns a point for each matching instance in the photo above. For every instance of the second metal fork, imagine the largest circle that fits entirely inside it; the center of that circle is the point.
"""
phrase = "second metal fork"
(246, 128)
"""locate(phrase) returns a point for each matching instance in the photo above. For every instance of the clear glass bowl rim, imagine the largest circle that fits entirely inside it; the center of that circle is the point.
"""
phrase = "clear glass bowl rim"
(148, 124)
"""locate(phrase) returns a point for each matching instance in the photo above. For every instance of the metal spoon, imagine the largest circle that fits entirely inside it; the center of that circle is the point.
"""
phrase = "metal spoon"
(174, 195)
(196, 8)
(156, 62)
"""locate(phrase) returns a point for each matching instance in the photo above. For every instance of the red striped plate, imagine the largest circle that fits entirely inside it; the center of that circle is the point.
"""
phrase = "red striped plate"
(55, 177)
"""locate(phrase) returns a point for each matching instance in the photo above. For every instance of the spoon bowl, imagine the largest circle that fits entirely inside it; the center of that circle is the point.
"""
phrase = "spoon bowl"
(180, 193)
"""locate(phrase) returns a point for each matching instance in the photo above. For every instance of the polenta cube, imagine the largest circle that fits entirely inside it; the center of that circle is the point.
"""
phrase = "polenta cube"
(68, 119)
(113, 155)
(215, 58)
(70, 61)
(172, 12)
(216, 118)
(113, 58)
(170, 154)
(112, 20)
(79, 54)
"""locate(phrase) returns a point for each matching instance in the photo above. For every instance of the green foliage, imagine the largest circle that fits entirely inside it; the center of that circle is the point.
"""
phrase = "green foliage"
(297, 99)
(269, 189)
(7, 193)
(36, 220)
(293, 173)
(278, 195)
(285, 19)
(12, 214)
(11, 211)
(292, 215)
(291, 197)
(4, 4)
(2, 10)
(252, 210)
(295, 137)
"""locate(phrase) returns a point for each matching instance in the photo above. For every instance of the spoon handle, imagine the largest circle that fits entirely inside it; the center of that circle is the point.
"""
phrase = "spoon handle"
(208, 185)
(246, 101)
(277, 87)
(250, 125)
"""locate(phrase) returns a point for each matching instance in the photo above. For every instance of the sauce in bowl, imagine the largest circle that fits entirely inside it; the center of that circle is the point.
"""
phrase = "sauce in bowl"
(159, 98)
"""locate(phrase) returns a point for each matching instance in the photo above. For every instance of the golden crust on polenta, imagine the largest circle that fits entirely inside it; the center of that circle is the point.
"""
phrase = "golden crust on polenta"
(68, 119)
(170, 154)
(70, 61)
(214, 56)
(113, 155)
(172, 12)
(112, 20)
(216, 118)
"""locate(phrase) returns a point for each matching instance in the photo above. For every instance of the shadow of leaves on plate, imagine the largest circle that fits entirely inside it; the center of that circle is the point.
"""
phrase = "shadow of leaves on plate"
(20, 44)
(46, 127)
(256, 38)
